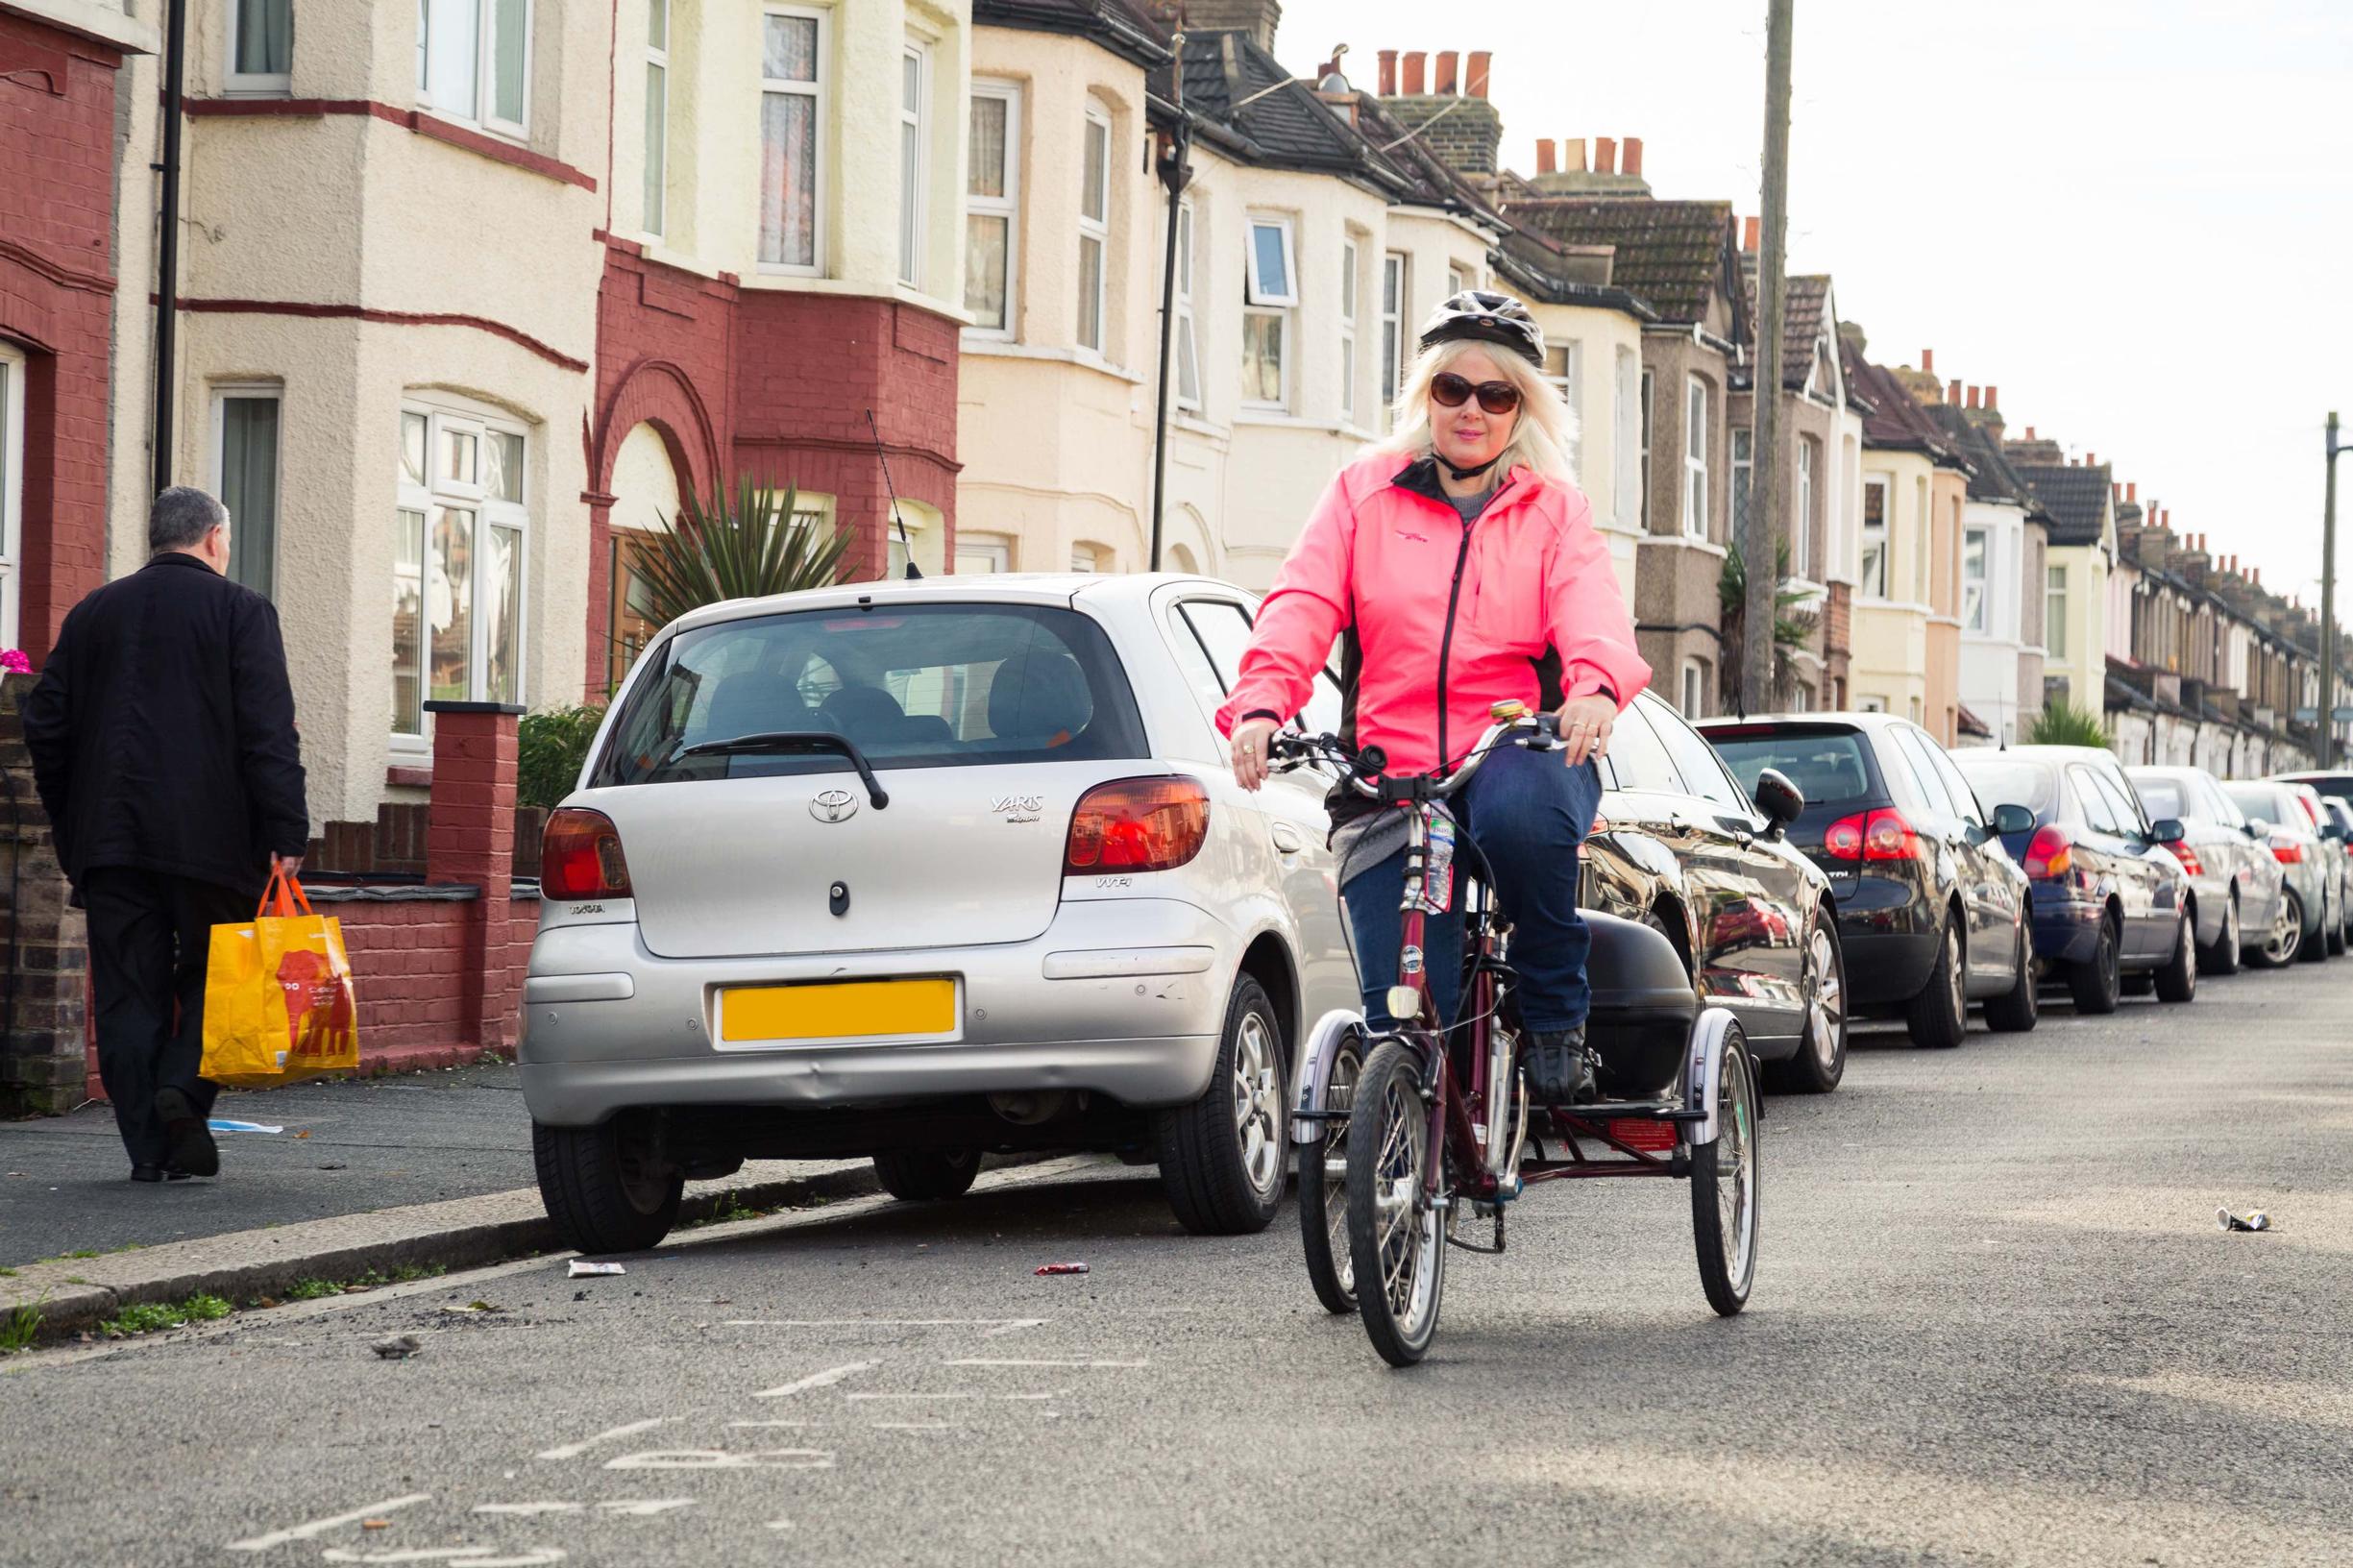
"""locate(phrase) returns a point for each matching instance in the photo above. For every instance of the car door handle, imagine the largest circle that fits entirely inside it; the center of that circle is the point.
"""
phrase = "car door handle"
(1287, 839)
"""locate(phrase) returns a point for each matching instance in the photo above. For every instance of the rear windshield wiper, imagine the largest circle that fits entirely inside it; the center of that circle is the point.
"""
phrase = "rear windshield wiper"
(773, 741)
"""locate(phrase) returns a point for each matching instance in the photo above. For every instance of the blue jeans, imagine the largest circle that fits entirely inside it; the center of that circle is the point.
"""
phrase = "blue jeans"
(1528, 813)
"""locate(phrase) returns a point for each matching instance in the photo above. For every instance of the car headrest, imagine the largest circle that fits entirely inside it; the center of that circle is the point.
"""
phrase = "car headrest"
(854, 707)
(1038, 696)
(753, 702)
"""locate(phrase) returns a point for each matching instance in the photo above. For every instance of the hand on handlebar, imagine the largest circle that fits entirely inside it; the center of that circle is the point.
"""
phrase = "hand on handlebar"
(1251, 740)
(1585, 726)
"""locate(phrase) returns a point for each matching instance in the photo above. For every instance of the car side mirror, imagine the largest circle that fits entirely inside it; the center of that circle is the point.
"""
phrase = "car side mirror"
(2166, 830)
(2257, 829)
(1779, 798)
(2334, 832)
(2012, 819)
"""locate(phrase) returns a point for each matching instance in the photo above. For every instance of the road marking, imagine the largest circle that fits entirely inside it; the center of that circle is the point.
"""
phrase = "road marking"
(718, 1458)
(819, 1379)
(648, 1509)
(775, 1423)
(457, 1556)
(982, 1362)
(780, 1524)
(1052, 1393)
(912, 1426)
(1014, 1325)
(864, 1395)
(994, 1325)
(529, 1510)
(320, 1527)
(572, 1450)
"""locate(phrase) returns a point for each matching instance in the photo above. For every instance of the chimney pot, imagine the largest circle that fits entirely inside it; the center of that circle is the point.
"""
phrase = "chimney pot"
(1952, 392)
(1605, 155)
(2132, 491)
(1475, 72)
(1993, 398)
(1748, 227)
(2115, 491)
(1927, 361)
(1973, 397)
(1445, 85)
(2029, 433)
(2090, 461)
(1416, 61)
(1389, 73)
(1544, 156)
(1631, 162)
(1572, 155)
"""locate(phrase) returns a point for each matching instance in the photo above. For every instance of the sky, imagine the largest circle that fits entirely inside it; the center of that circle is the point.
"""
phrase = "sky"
(2132, 216)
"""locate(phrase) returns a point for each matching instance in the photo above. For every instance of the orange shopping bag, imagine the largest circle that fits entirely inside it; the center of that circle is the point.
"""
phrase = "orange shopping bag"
(279, 1005)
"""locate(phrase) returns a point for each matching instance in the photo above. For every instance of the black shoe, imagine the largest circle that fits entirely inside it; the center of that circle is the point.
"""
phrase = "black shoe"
(1560, 1067)
(147, 1173)
(192, 1149)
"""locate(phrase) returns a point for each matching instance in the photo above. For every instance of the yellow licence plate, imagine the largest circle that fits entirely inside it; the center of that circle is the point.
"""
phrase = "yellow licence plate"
(838, 1010)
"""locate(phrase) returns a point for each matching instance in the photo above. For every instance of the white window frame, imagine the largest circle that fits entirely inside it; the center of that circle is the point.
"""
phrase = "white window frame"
(2054, 610)
(1982, 620)
(1802, 529)
(1457, 280)
(485, 70)
(1094, 228)
(1628, 437)
(1650, 409)
(996, 547)
(820, 96)
(13, 372)
(1570, 383)
(913, 182)
(1350, 298)
(1254, 289)
(238, 83)
(1396, 275)
(1695, 462)
(1868, 536)
(1695, 689)
(223, 393)
(1089, 558)
(1744, 473)
(655, 217)
(1188, 328)
(1006, 207)
(489, 511)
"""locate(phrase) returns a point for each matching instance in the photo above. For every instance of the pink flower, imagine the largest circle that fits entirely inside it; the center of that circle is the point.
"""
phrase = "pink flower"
(13, 661)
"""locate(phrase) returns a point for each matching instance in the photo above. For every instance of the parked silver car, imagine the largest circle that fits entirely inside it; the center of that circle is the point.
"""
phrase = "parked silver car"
(2240, 887)
(918, 870)
(2342, 815)
(2275, 814)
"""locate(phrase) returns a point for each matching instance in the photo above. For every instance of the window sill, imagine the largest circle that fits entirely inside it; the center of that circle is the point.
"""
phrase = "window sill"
(985, 347)
(1706, 547)
(1281, 419)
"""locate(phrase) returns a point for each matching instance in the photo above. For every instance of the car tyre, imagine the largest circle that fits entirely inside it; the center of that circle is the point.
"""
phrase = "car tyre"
(2098, 984)
(2335, 939)
(605, 1187)
(1222, 1157)
(1821, 1060)
(927, 1175)
(2017, 1010)
(2313, 948)
(2177, 981)
(2224, 957)
(1939, 1016)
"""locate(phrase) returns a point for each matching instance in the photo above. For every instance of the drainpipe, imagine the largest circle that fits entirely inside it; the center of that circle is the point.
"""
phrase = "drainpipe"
(167, 253)
(1175, 173)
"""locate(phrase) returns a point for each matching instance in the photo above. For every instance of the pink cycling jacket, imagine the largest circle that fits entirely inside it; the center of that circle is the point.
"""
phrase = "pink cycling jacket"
(1442, 619)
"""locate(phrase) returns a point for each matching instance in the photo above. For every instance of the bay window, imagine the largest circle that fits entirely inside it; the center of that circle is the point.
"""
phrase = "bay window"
(992, 208)
(1975, 548)
(1187, 349)
(1801, 526)
(474, 61)
(1270, 294)
(1093, 226)
(461, 534)
(1632, 446)
(657, 115)
(1564, 366)
(1875, 538)
(1695, 459)
(792, 141)
(260, 46)
(245, 477)
(1743, 478)
(914, 87)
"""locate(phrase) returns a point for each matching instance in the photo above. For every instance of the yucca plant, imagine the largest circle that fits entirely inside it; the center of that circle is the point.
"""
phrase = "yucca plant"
(2063, 724)
(1792, 627)
(744, 547)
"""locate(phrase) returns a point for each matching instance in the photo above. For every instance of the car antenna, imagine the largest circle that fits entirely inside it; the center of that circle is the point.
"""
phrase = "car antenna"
(883, 457)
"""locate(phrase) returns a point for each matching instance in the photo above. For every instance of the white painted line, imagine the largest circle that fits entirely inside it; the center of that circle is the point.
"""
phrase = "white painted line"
(982, 1362)
(910, 1396)
(529, 1510)
(819, 1379)
(912, 1426)
(994, 1325)
(572, 1450)
(648, 1509)
(717, 1458)
(1016, 1326)
(320, 1527)
(457, 1556)
(775, 1423)
(1051, 1393)
(780, 1524)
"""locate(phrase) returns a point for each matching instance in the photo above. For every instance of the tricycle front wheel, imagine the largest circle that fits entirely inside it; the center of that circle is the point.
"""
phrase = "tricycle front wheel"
(1396, 1242)
(1723, 1184)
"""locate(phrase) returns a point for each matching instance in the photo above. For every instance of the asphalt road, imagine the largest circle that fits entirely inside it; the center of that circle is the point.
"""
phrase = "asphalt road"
(1995, 1323)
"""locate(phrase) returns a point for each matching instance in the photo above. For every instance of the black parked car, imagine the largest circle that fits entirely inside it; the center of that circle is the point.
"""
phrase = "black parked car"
(1684, 847)
(2110, 900)
(1930, 906)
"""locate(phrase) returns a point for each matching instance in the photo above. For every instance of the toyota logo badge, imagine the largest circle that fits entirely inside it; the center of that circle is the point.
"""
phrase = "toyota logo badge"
(834, 807)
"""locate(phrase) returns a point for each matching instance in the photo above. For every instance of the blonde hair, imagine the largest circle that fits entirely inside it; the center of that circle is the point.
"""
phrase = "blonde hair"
(1539, 440)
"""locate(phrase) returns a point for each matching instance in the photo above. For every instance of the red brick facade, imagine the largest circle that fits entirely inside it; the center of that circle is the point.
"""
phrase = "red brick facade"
(771, 383)
(57, 298)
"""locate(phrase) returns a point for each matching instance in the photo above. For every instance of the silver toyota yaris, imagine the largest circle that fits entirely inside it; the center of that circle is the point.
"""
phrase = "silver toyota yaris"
(918, 870)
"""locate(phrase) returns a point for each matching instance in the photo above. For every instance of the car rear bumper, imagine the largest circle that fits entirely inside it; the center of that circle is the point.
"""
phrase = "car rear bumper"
(1888, 928)
(2066, 930)
(1133, 1010)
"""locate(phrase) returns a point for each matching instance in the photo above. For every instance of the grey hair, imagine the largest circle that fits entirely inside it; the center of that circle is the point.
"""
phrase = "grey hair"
(180, 518)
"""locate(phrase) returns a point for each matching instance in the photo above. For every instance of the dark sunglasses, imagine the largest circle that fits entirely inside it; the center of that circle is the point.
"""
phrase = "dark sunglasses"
(1452, 391)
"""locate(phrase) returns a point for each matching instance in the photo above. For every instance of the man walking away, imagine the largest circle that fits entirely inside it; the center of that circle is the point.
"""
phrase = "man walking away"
(163, 746)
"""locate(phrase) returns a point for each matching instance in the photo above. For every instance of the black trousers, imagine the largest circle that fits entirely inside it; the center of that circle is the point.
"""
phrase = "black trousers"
(150, 935)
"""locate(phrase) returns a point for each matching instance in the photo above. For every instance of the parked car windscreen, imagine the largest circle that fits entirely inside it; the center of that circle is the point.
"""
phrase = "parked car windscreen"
(1826, 764)
(910, 685)
(2001, 781)
(2165, 798)
(2270, 802)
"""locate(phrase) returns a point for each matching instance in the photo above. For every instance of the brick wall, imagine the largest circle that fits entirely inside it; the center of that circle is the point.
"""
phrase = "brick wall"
(1467, 136)
(43, 1061)
(57, 286)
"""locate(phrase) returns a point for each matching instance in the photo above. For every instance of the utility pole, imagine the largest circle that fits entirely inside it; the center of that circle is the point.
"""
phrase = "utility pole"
(2328, 605)
(1761, 530)
(1175, 173)
(168, 246)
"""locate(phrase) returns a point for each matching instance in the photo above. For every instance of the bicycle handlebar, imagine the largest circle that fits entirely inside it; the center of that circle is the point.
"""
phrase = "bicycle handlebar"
(1366, 770)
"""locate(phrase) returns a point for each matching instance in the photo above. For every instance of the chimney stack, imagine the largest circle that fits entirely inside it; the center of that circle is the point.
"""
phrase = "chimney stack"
(1748, 227)
(1445, 85)
(2132, 491)
(1973, 397)
(1927, 361)
(1572, 155)
(1475, 78)
(2029, 433)
(1389, 73)
(1544, 156)
(1952, 390)
(1631, 161)
(2115, 491)
(1993, 397)
(1414, 81)
(2090, 461)
(1605, 155)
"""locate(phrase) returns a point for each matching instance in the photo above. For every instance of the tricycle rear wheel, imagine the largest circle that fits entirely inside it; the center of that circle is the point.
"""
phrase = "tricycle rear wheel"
(1724, 1188)
(1323, 1186)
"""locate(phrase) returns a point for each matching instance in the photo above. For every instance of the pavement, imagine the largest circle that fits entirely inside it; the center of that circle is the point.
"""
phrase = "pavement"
(1995, 1323)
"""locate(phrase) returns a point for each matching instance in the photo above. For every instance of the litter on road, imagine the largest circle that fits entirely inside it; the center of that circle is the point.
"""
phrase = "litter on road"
(399, 1348)
(581, 1268)
(229, 1124)
(1062, 1268)
(2255, 1219)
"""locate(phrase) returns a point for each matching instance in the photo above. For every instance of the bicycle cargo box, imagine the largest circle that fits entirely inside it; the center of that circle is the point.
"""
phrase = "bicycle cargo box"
(1643, 1004)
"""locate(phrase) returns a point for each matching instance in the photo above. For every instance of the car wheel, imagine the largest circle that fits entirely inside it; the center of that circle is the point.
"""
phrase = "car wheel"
(2224, 957)
(1939, 1016)
(2284, 942)
(2016, 1011)
(1821, 1060)
(2335, 939)
(1221, 1157)
(2314, 946)
(920, 1175)
(2098, 984)
(605, 1187)
(2177, 981)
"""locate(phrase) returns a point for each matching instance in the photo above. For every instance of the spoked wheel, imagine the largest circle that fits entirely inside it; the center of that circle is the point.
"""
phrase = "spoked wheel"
(2287, 933)
(1723, 1190)
(1396, 1245)
(1323, 1187)
(1821, 1060)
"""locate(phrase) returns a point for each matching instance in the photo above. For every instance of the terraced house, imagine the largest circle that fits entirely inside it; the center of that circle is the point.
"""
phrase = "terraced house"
(2005, 535)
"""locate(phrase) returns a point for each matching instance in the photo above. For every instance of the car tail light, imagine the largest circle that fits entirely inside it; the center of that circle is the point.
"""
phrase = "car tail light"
(1872, 835)
(1643, 1133)
(2286, 850)
(1138, 824)
(2050, 852)
(579, 857)
(2188, 859)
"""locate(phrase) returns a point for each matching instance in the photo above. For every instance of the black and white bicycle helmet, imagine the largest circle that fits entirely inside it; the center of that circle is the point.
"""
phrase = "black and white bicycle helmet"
(1485, 317)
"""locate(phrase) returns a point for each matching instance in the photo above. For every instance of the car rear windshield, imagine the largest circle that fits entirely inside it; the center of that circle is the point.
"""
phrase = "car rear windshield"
(2269, 801)
(1826, 765)
(911, 686)
(2006, 781)
(2163, 798)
